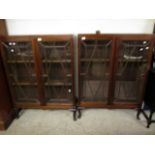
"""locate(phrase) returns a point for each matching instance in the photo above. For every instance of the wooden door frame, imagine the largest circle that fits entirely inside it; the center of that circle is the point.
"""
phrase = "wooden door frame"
(119, 39)
(96, 104)
(57, 105)
(15, 39)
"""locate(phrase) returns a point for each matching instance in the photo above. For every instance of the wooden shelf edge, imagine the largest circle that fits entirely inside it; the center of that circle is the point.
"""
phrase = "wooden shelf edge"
(54, 105)
(94, 60)
(44, 61)
(123, 105)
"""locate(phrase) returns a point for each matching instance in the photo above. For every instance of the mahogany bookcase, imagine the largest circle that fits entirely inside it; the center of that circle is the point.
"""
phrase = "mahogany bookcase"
(40, 71)
(113, 69)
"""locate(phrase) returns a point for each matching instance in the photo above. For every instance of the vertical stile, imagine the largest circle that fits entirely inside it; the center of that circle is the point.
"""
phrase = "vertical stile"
(112, 71)
(38, 69)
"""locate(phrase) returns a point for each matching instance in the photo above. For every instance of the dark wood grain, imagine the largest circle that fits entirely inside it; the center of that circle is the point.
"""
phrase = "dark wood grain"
(38, 69)
(3, 28)
(115, 105)
(56, 105)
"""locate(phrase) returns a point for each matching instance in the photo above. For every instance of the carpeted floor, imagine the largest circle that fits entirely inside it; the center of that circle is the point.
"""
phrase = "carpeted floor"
(93, 122)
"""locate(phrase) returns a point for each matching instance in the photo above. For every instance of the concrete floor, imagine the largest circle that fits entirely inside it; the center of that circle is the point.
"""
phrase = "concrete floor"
(93, 122)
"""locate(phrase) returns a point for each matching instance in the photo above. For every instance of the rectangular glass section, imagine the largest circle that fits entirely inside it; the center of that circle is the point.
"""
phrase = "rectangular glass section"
(94, 69)
(58, 93)
(20, 68)
(131, 68)
(56, 58)
(25, 93)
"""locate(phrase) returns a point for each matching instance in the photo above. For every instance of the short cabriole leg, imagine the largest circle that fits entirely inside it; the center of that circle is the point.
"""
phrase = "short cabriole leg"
(149, 119)
(17, 113)
(79, 113)
(74, 110)
(75, 115)
(138, 113)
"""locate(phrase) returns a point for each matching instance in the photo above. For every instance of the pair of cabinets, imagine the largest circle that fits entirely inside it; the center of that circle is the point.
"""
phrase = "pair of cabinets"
(112, 70)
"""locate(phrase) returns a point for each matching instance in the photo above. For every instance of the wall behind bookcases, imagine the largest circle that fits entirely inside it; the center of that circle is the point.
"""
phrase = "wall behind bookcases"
(68, 26)
(65, 26)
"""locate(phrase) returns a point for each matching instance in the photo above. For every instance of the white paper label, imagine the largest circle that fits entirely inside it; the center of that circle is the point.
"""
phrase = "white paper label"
(83, 38)
(39, 39)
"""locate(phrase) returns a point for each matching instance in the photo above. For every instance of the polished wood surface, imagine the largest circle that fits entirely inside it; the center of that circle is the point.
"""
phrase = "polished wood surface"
(3, 28)
(56, 105)
(116, 105)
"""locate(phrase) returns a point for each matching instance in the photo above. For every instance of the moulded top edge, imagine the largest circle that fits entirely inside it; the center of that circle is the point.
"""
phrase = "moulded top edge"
(123, 36)
(45, 37)
(117, 34)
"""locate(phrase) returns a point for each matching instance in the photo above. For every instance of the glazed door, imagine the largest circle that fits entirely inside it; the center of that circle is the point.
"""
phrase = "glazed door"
(95, 62)
(20, 68)
(133, 58)
(56, 54)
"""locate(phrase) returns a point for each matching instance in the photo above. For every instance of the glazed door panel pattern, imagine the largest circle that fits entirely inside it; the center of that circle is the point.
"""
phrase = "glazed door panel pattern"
(57, 71)
(95, 57)
(113, 69)
(132, 63)
(19, 64)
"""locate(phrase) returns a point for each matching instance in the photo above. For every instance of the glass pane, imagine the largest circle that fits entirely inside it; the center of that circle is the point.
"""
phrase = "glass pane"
(94, 71)
(21, 72)
(56, 58)
(131, 68)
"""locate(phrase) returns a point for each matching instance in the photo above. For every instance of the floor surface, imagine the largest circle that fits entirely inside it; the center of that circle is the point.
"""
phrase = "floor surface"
(93, 122)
